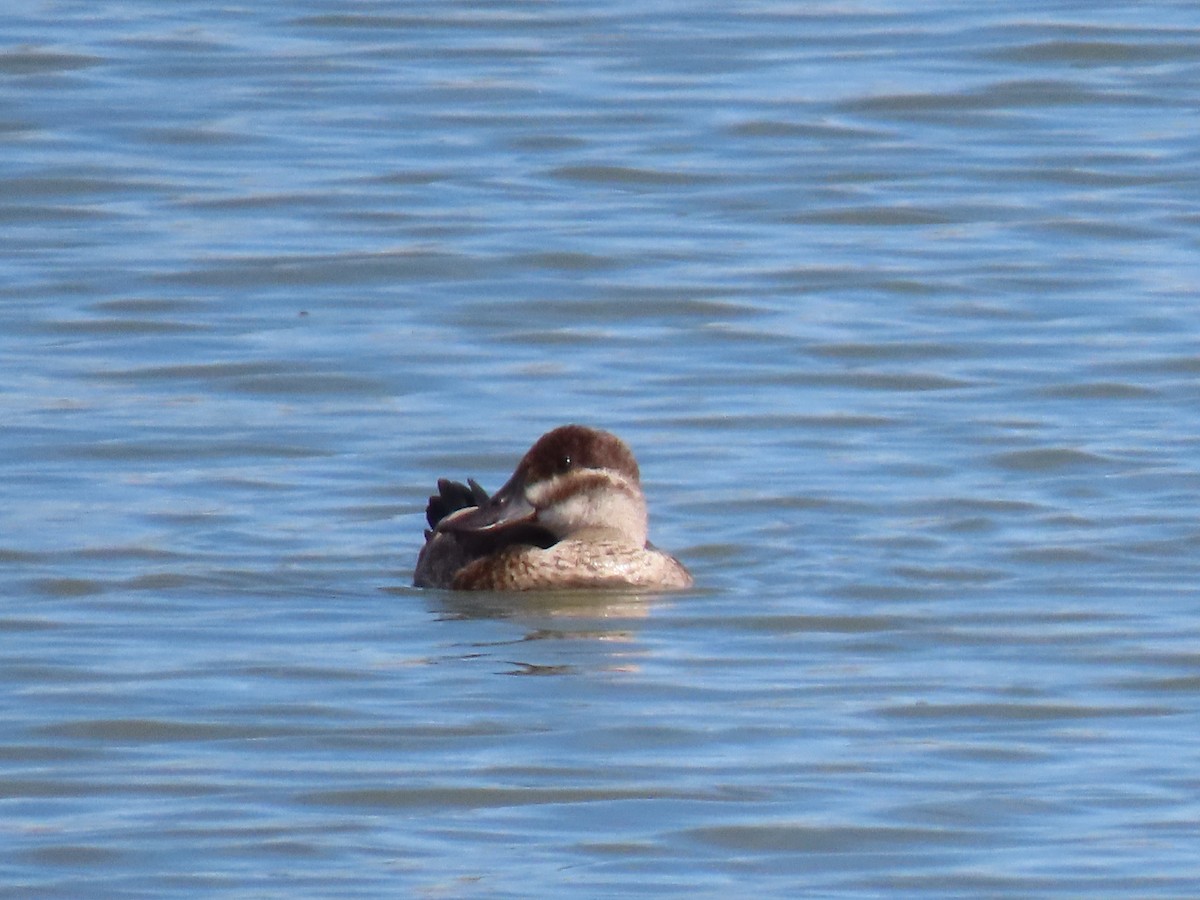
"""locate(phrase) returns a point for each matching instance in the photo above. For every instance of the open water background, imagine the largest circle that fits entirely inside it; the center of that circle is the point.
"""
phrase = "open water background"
(896, 303)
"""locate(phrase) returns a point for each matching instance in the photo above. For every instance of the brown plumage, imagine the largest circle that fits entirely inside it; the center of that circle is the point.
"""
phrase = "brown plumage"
(572, 516)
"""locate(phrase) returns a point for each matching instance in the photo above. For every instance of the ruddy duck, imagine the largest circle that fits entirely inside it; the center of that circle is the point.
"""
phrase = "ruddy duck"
(571, 516)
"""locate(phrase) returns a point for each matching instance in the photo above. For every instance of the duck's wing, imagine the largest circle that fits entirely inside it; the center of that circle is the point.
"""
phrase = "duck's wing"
(445, 553)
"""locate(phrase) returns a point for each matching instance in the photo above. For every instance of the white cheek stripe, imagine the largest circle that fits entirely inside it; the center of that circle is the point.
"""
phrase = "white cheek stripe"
(542, 493)
(609, 501)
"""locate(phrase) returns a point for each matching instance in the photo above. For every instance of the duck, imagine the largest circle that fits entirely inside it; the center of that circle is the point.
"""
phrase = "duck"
(572, 516)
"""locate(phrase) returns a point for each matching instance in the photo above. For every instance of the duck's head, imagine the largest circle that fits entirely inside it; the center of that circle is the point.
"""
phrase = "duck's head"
(575, 481)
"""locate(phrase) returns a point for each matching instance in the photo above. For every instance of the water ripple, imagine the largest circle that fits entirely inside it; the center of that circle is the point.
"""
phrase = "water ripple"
(896, 307)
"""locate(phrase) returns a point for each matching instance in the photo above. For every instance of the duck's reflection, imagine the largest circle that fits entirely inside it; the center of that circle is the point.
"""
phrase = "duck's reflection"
(573, 631)
(593, 606)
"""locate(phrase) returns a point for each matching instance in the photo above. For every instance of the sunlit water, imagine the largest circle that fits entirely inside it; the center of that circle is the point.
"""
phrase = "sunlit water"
(896, 304)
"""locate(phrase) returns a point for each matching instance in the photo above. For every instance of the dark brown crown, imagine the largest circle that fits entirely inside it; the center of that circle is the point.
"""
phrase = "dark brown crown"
(577, 447)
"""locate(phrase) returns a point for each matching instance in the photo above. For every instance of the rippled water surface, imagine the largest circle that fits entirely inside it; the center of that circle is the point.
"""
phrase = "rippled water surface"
(896, 303)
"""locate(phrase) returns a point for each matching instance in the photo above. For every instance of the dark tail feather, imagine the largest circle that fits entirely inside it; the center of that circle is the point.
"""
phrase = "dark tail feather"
(451, 497)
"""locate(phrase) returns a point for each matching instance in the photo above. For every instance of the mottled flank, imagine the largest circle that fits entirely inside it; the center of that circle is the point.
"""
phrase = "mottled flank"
(573, 564)
(572, 516)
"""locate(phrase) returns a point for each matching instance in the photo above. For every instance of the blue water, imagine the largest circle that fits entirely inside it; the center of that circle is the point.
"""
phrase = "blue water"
(896, 304)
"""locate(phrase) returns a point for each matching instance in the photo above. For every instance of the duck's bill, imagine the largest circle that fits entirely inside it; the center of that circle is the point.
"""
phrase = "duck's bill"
(507, 508)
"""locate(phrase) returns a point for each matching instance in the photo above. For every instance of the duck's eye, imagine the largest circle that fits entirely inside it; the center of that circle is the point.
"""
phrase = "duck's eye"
(564, 462)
